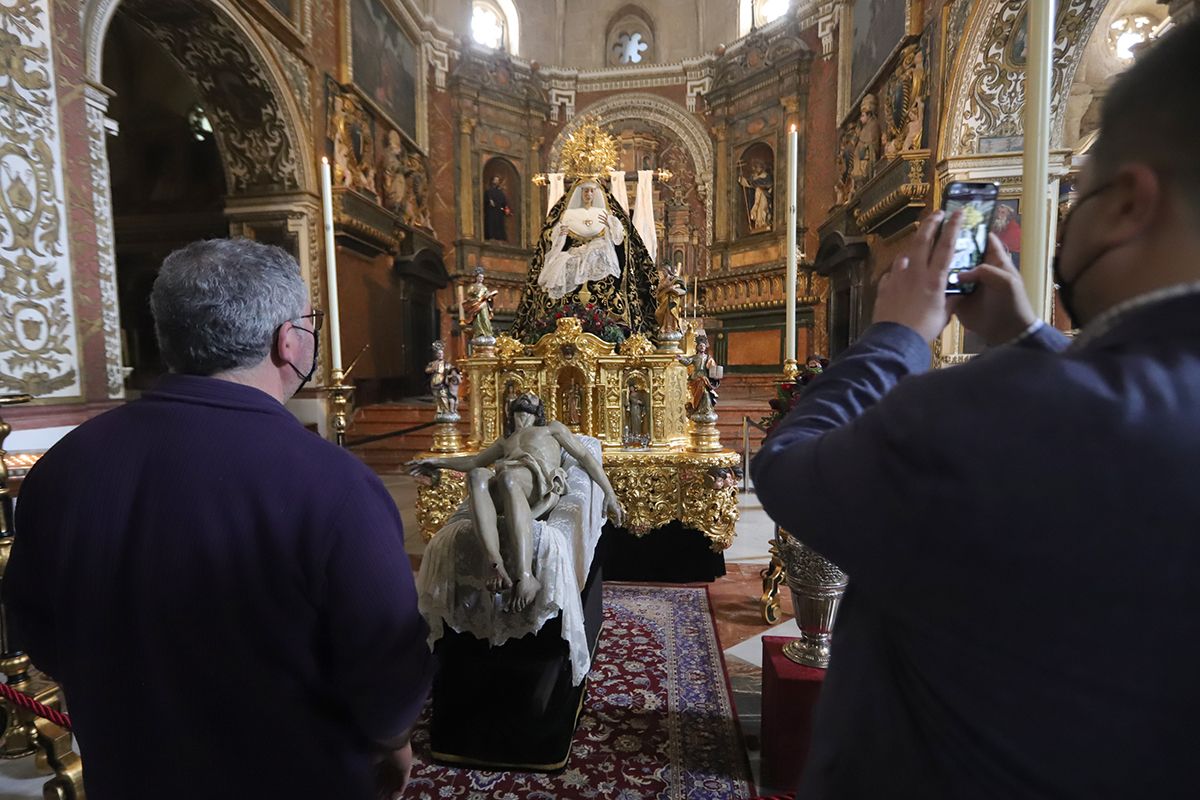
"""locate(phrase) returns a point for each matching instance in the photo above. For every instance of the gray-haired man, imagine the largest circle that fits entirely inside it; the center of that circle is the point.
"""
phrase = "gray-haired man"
(231, 597)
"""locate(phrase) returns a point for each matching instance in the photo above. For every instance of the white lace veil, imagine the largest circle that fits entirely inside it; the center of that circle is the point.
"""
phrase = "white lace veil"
(598, 199)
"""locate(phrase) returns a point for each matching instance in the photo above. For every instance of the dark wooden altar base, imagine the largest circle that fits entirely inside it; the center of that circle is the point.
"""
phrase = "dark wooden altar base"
(670, 554)
(512, 707)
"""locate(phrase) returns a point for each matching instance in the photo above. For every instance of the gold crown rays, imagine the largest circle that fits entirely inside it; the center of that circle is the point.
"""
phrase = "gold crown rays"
(590, 152)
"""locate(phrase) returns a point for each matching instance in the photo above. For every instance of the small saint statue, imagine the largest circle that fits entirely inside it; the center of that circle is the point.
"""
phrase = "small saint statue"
(444, 380)
(478, 306)
(518, 479)
(759, 210)
(637, 409)
(704, 376)
(495, 211)
(671, 294)
(573, 405)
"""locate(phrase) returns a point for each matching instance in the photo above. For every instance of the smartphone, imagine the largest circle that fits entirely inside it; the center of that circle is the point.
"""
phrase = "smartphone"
(977, 201)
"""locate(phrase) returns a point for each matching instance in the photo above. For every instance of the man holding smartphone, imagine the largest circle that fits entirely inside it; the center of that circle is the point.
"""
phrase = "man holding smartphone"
(1023, 617)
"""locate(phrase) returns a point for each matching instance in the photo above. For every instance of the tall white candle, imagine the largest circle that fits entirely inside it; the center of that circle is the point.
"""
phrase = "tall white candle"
(793, 152)
(335, 329)
(1035, 205)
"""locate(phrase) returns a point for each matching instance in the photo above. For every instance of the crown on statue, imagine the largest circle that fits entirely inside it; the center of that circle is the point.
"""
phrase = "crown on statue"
(589, 152)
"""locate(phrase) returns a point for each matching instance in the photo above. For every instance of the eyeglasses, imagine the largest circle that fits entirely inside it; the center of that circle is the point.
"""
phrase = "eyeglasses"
(318, 318)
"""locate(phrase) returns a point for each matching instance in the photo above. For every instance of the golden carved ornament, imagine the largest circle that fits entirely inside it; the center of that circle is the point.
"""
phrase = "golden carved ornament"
(654, 488)
(438, 500)
(508, 348)
(637, 345)
(589, 153)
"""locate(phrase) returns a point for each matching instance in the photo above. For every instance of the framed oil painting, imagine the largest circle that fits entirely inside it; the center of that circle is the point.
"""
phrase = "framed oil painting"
(382, 62)
(879, 28)
(292, 12)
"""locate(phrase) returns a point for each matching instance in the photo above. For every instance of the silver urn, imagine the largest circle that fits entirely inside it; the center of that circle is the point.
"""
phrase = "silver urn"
(817, 587)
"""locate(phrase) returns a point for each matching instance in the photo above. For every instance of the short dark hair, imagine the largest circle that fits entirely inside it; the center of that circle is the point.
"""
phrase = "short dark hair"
(529, 403)
(1152, 114)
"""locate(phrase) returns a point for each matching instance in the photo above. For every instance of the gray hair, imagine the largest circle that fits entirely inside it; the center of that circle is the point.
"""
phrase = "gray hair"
(218, 303)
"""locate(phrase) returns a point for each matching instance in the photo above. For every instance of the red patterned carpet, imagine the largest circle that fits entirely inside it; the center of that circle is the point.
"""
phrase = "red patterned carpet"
(658, 721)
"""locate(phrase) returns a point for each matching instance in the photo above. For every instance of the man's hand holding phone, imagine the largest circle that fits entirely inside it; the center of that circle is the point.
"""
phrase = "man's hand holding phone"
(913, 291)
(1000, 311)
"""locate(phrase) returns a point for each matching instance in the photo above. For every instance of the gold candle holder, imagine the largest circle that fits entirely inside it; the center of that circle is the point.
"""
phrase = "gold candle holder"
(339, 401)
(791, 370)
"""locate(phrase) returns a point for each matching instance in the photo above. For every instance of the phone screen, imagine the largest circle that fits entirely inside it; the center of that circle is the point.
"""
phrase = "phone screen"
(978, 204)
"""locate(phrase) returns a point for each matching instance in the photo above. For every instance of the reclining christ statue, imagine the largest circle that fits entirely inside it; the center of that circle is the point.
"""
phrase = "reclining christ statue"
(521, 477)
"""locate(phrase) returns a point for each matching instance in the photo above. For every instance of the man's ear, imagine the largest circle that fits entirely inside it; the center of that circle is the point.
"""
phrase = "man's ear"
(1132, 205)
(281, 345)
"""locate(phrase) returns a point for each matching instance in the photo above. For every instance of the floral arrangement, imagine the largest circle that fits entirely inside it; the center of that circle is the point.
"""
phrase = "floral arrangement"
(593, 319)
(787, 394)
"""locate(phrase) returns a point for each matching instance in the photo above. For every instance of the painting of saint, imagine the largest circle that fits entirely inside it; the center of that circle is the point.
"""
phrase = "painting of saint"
(879, 26)
(384, 63)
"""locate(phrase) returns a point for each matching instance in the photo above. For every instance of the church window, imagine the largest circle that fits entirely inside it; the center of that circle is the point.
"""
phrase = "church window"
(772, 10)
(487, 26)
(756, 13)
(1126, 33)
(494, 24)
(630, 47)
(630, 37)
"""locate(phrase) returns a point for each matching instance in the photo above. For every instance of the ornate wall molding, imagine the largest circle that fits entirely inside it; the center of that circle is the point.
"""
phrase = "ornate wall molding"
(261, 131)
(40, 347)
(663, 112)
(98, 126)
(987, 94)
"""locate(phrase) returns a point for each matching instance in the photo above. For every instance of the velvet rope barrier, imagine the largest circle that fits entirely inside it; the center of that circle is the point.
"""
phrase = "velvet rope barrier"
(29, 704)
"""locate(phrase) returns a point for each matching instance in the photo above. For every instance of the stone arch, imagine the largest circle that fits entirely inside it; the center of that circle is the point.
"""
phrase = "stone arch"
(648, 107)
(261, 131)
(986, 94)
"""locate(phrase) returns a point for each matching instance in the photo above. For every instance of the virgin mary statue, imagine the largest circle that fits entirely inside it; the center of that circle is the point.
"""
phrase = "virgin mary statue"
(591, 263)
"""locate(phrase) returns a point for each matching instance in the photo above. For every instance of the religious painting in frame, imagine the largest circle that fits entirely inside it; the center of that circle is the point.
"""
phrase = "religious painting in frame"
(292, 12)
(880, 27)
(382, 61)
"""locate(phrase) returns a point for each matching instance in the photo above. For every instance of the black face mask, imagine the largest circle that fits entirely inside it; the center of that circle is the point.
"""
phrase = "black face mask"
(1066, 289)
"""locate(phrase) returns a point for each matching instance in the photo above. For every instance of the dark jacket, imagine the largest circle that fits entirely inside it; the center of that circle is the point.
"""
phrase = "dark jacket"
(1022, 536)
(223, 595)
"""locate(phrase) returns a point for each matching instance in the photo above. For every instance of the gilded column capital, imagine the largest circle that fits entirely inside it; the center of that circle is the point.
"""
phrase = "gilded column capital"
(466, 126)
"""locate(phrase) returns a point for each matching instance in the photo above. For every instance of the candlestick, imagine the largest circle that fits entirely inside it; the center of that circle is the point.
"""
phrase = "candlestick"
(790, 343)
(335, 330)
(1035, 214)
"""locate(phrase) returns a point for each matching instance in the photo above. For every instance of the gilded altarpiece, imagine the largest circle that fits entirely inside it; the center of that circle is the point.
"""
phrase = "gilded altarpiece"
(501, 111)
(40, 354)
(658, 480)
(760, 90)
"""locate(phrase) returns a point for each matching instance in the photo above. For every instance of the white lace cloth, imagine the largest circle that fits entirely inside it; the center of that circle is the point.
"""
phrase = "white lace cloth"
(450, 583)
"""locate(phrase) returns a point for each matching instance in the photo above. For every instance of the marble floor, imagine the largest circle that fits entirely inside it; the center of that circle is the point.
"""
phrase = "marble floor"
(735, 599)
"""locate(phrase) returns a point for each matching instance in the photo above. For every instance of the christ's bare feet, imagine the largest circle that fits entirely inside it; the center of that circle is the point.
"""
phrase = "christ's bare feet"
(498, 581)
(525, 591)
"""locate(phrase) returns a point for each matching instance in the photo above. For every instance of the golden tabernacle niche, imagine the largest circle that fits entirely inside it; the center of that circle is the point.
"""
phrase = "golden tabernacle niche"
(632, 398)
